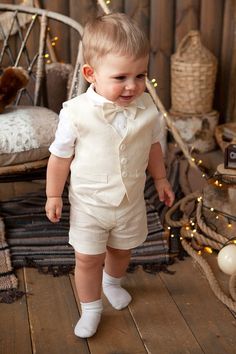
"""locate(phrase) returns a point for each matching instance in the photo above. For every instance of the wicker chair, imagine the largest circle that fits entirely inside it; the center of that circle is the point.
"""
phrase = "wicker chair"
(24, 42)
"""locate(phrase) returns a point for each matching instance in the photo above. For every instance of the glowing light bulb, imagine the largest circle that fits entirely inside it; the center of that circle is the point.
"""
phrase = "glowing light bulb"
(208, 249)
(227, 259)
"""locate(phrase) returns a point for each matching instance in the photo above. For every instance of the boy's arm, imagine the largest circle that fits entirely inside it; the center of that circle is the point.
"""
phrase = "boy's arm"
(57, 173)
(156, 166)
(157, 170)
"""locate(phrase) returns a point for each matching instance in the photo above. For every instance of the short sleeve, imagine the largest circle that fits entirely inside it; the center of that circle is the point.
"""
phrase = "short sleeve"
(158, 127)
(159, 131)
(65, 137)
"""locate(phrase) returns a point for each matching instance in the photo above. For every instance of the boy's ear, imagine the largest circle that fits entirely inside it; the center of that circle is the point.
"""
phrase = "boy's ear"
(88, 73)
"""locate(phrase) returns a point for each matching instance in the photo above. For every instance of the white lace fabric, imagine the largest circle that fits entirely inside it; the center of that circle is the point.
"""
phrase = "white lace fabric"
(26, 130)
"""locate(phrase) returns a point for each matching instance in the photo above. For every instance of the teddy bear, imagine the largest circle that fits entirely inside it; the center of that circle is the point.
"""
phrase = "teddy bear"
(11, 81)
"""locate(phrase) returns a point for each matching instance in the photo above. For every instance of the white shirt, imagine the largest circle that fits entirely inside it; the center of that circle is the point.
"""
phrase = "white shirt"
(65, 137)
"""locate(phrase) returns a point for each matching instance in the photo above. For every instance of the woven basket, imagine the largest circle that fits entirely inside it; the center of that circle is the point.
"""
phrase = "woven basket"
(193, 75)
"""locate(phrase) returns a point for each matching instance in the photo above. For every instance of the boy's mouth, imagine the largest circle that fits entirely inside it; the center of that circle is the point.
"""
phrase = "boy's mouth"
(126, 98)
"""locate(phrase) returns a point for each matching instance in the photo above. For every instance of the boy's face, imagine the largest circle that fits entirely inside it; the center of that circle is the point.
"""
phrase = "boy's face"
(118, 78)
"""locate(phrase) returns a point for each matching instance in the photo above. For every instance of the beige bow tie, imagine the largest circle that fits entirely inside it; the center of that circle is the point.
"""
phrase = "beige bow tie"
(110, 110)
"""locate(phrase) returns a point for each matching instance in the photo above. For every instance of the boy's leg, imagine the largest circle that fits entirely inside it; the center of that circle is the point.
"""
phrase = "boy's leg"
(116, 264)
(88, 280)
(88, 276)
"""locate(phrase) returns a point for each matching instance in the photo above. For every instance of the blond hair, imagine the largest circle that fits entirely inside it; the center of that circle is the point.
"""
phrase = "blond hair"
(113, 33)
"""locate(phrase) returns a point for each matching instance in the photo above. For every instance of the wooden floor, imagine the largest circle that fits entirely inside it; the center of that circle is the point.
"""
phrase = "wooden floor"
(169, 314)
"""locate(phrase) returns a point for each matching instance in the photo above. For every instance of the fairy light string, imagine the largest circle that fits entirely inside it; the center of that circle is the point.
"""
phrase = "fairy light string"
(197, 238)
(50, 55)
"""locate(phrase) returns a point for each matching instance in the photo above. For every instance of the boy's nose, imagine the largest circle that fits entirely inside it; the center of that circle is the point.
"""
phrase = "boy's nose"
(130, 85)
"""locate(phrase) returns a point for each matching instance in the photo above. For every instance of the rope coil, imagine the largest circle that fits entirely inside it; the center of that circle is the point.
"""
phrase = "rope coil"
(215, 241)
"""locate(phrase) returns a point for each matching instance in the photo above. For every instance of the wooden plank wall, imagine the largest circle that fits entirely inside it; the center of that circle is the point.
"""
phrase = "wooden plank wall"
(166, 22)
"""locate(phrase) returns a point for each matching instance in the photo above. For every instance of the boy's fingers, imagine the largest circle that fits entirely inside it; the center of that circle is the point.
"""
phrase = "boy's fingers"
(171, 198)
(161, 196)
(58, 213)
(52, 215)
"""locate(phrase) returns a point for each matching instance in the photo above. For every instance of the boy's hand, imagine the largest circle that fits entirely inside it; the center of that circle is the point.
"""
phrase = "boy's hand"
(164, 191)
(53, 208)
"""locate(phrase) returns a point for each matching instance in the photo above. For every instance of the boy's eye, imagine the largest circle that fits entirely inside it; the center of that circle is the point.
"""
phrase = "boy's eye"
(120, 78)
(141, 76)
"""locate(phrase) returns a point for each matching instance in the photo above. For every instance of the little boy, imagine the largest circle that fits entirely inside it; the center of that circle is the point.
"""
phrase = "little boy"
(107, 138)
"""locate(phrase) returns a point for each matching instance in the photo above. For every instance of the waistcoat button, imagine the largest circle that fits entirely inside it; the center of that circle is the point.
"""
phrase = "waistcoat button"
(122, 147)
(124, 174)
(123, 161)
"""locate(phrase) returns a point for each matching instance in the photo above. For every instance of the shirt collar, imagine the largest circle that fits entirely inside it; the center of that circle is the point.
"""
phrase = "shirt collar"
(97, 99)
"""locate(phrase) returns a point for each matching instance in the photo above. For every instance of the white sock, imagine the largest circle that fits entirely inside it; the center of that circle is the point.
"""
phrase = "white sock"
(118, 297)
(89, 320)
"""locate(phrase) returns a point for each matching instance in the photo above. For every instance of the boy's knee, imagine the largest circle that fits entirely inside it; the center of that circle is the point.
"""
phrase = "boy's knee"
(118, 253)
(86, 261)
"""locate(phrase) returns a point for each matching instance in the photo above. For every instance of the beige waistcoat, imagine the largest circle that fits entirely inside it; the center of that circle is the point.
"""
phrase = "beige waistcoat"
(105, 166)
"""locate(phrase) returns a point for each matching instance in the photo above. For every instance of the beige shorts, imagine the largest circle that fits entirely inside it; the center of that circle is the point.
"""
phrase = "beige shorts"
(93, 228)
